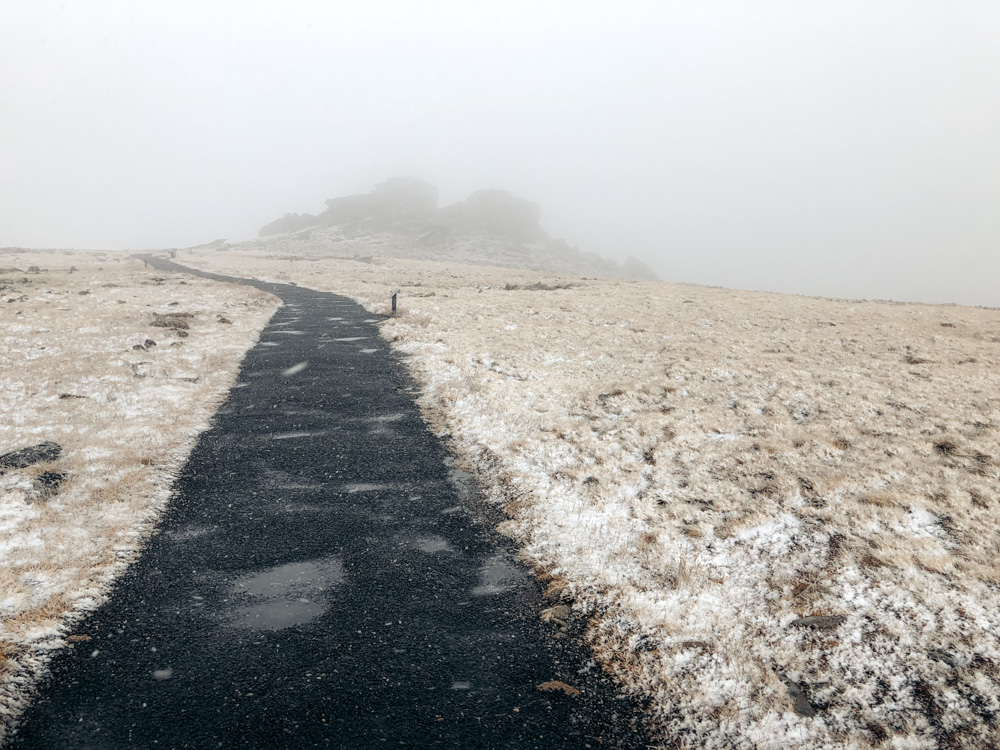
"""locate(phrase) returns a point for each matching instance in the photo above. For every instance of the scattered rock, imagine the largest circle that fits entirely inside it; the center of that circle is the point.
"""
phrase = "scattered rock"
(538, 286)
(227, 321)
(179, 324)
(19, 459)
(557, 614)
(802, 706)
(138, 347)
(46, 484)
(182, 334)
(78, 638)
(84, 291)
(71, 395)
(34, 269)
(820, 622)
(555, 685)
(149, 343)
(943, 656)
(73, 269)
(700, 645)
(555, 590)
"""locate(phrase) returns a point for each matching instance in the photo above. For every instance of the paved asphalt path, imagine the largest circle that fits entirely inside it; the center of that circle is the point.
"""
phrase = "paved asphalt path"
(324, 577)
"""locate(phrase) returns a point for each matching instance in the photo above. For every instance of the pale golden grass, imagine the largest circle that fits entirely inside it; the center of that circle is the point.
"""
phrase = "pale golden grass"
(703, 466)
(126, 420)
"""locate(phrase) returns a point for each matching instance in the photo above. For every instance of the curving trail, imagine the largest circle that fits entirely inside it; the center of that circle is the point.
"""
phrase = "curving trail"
(324, 577)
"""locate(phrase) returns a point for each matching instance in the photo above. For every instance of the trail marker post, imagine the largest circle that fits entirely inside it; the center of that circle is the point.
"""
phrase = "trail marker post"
(394, 295)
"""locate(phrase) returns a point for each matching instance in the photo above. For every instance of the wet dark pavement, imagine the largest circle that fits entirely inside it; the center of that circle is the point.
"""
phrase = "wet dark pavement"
(324, 577)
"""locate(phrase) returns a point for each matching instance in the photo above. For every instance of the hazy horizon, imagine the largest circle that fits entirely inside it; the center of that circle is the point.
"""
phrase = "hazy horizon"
(839, 149)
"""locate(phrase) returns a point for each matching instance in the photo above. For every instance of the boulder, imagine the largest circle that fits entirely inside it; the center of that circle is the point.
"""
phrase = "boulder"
(495, 212)
(35, 454)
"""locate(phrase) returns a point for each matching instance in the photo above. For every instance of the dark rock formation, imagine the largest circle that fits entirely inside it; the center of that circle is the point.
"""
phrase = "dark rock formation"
(35, 454)
(288, 223)
(636, 269)
(46, 484)
(494, 212)
(490, 226)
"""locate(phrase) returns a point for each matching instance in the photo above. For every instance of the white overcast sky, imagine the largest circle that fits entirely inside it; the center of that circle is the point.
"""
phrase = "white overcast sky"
(839, 148)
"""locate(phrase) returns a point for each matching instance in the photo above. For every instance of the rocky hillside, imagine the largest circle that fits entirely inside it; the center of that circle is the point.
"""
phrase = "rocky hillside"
(401, 218)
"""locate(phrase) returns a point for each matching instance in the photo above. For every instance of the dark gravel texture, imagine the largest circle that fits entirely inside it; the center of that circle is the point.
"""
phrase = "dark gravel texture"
(324, 577)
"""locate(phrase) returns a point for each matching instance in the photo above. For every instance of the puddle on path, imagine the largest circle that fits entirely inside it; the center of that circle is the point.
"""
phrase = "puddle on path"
(187, 532)
(393, 417)
(497, 576)
(463, 482)
(282, 480)
(432, 544)
(352, 489)
(286, 595)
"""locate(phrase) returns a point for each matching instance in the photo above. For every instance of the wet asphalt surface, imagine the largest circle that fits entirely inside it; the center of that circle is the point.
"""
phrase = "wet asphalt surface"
(324, 577)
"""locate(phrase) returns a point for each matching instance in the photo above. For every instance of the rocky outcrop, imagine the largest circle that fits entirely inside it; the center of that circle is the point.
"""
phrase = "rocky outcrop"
(288, 223)
(402, 200)
(401, 218)
(35, 454)
(494, 212)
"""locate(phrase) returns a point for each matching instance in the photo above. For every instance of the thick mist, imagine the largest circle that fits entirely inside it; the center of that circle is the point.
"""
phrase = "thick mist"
(842, 149)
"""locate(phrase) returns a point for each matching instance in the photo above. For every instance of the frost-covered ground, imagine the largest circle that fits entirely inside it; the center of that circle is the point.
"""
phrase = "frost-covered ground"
(126, 420)
(697, 469)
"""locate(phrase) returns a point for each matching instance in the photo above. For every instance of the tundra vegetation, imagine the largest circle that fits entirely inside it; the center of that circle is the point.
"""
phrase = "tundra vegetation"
(777, 514)
(114, 369)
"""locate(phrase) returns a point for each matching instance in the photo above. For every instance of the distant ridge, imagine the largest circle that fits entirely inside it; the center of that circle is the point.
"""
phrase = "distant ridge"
(401, 218)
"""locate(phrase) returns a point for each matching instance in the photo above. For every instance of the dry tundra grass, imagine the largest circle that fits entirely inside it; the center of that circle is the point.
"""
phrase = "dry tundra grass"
(126, 419)
(699, 469)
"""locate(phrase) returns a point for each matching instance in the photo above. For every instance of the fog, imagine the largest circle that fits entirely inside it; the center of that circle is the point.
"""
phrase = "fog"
(837, 148)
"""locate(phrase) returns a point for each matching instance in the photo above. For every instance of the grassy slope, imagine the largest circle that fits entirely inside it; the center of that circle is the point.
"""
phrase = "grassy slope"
(698, 468)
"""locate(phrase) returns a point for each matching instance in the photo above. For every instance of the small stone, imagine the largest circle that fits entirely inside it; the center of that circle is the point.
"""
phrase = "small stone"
(820, 622)
(227, 321)
(47, 483)
(71, 395)
(182, 334)
(19, 459)
(557, 615)
(164, 321)
(802, 705)
(943, 656)
(84, 291)
(138, 347)
(34, 269)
